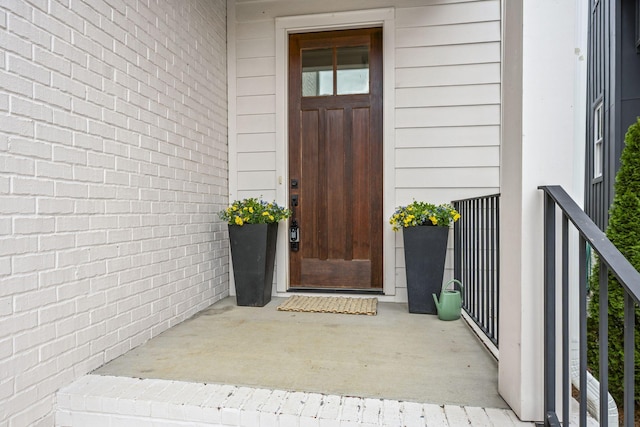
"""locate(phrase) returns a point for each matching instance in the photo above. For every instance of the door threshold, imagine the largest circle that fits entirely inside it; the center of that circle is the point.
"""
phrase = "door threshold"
(337, 291)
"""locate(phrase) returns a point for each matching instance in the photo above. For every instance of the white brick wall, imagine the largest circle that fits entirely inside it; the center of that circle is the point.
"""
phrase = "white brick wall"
(118, 401)
(113, 163)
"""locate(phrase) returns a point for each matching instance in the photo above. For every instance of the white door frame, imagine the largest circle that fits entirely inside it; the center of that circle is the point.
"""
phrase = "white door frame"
(325, 22)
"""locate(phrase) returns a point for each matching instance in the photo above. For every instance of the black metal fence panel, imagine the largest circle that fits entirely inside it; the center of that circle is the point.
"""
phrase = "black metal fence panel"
(556, 324)
(477, 262)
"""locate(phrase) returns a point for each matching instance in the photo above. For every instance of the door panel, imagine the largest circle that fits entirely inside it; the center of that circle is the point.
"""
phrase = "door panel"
(335, 154)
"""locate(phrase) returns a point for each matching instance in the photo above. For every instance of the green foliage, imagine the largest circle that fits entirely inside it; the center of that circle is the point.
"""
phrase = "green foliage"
(624, 232)
(253, 211)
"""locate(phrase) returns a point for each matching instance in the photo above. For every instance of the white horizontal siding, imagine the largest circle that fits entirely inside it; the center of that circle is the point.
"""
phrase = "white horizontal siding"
(256, 181)
(455, 136)
(448, 75)
(448, 116)
(260, 85)
(440, 194)
(256, 67)
(441, 35)
(451, 157)
(260, 161)
(445, 14)
(447, 99)
(256, 48)
(256, 123)
(256, 142)
(467, 176)
(260, 104)
(448, 95)
(474, 53)
(254, 29)
(264, 194)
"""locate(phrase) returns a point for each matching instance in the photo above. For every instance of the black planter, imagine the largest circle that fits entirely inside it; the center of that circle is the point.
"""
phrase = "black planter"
(253, 252)
(425, 250)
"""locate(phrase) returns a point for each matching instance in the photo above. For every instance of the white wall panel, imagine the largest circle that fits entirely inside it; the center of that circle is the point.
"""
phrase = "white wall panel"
(256, 48)
(261, 104)
(456, 157)
(255, 142)
(448, 14)
(448, 95)
(455, 136)
(261, 85)
(257, 123)
(449, 177)
(448, 34)
(260, 193)
(253, 67)
(254, 30)
(439, 195)
(264, 180)
(448, 75)
(448, 116)
(475, 53)
(257, 161)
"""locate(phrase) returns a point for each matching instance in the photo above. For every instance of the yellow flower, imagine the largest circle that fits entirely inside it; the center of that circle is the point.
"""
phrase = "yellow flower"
(271, 217)
(265, 213)
(238, 220)
(234, 208)
(456, 217)
(434, 220)
(250, 209)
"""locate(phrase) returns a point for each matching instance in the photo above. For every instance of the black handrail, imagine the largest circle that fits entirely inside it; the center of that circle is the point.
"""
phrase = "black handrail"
(610, 260)
(476, 261)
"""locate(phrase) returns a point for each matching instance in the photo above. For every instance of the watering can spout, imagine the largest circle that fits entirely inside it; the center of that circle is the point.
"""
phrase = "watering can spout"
(435, 299)
(450, 304)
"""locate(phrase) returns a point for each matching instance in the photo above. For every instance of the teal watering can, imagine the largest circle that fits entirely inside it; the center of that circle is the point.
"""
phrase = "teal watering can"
(450, 303)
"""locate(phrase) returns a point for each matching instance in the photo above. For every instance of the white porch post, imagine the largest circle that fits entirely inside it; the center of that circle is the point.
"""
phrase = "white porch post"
(544, 49)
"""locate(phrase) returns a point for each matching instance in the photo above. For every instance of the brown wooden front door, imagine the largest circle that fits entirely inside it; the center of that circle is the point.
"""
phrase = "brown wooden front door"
(335, 159)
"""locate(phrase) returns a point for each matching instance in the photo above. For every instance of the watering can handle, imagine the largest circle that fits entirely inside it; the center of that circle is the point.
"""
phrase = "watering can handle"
(446, 285)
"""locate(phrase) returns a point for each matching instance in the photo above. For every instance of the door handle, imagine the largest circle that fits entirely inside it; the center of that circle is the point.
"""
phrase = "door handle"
(294, 230)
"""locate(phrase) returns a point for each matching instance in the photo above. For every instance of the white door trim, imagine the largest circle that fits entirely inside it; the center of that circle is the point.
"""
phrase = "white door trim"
(324, 22)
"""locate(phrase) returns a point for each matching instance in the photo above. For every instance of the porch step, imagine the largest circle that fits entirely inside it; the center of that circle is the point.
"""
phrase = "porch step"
(107, 401)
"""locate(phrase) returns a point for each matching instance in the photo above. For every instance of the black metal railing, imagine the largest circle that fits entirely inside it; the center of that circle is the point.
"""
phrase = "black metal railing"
(610, 261)
(476, 260)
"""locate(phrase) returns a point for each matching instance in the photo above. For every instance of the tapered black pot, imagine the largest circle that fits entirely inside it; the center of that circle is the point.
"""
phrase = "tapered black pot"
(425, 250)
(253, 252)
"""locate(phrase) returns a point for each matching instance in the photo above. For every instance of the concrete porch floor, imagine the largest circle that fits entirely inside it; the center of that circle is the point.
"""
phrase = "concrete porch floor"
(394, 355)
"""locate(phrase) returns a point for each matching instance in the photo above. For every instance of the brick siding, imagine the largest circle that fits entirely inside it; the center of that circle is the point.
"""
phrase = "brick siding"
(113, 163)
(119, 401)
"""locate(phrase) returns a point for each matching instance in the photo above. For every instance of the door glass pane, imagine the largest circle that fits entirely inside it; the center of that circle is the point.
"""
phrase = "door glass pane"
(317, 72)
(353, 70)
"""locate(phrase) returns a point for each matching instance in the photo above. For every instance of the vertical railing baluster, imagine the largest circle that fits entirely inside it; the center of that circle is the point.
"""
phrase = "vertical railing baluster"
(603, 339)
(549, 307)
(629, 355)
(497, 297)
(476, 252)
(582, 309)
(566, 380)
(492, 290)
